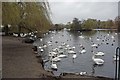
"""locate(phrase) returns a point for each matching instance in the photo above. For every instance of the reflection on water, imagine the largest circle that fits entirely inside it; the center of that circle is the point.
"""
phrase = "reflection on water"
(107, 42)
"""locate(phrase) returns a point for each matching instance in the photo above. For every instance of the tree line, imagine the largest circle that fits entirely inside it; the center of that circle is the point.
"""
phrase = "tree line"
(26, 17)
(90, 24)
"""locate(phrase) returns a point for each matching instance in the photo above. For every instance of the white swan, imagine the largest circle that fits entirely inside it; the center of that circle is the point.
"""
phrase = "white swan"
(83, 51)
(81, 37)
(71, 52)
(74, 56)
(54, 66)
(99, 54)
(62, 56)
(52, 54)
(41, 50)
(56, 59)
(41, 39)
(114, 58)
(83, 73)
(94, 45)
(97, 61)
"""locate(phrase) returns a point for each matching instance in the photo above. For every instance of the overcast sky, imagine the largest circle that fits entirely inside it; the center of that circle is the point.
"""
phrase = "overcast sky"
(65, 11)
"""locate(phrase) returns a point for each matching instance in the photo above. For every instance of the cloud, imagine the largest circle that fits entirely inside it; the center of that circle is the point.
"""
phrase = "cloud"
(63, 12)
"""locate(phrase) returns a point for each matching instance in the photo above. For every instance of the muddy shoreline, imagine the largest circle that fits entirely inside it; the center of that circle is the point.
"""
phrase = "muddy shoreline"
(20, 61)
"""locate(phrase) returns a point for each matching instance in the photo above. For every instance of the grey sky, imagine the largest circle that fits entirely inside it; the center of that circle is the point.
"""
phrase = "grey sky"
(63, 12)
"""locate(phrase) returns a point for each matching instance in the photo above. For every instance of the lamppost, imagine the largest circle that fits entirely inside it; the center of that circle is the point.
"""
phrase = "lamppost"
(117, 68)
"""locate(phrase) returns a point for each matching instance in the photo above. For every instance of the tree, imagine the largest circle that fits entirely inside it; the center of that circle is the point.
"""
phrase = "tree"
(76, 24)
(28, 16)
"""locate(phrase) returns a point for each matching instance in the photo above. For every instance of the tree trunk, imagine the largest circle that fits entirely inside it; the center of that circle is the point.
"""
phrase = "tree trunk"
(6, 30)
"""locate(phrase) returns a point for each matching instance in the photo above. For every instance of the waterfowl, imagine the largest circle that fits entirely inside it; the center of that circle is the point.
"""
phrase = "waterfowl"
(81, 37)
(94, 45)
(54, 66)
(62, 56)
(114, 58)
(71, 52)
(99, 54)
(74, 56)
(98, 61)
(83, 73)
(83, 51)
(56, 59)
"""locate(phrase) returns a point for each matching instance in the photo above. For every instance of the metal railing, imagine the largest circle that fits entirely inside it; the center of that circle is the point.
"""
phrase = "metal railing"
(117, 68)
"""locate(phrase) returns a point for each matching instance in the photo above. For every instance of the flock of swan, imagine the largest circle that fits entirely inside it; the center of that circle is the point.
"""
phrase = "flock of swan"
(56, 54)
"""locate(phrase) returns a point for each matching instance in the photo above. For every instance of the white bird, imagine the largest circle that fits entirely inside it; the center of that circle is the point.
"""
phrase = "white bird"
(41, 50)
(99, 54)
(41, 39)
(54, 66)
(45, 46)
(97, 39)
(83, 51)
(81, 37)
(112, 37)
(39, 47)
(56, 59)
(74, 56)
(94, 45)
(97, 61)
(114, 58)
(62, 56)
(52, 53)
(60, 47)
(49, 42)
(83, 73)
(71, 52)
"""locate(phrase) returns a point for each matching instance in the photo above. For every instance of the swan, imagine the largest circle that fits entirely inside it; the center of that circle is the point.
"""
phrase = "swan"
(52, 54)
(45, 46)
(99, 54)
(112, 37)
(74, 56)
(62, 56)
(49, 42)
(56, 59)
(83, 73)
(41, 39)
(83, 51)
(94, 45)
(63, 44)
(60, 47)
(97, 61)
(41, 50)
(39, 47)
(98, 39)
(71, 52)
(114, 58)
(81, 37)
(54, 66)
(67, 46)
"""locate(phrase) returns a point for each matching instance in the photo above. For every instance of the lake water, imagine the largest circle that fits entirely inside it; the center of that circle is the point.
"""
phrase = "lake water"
(107, 41)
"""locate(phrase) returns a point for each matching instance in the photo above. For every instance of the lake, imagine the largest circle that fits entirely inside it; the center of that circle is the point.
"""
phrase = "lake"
(107, 41)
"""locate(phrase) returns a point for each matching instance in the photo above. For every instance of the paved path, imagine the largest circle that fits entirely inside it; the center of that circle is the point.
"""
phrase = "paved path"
(19, 61)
